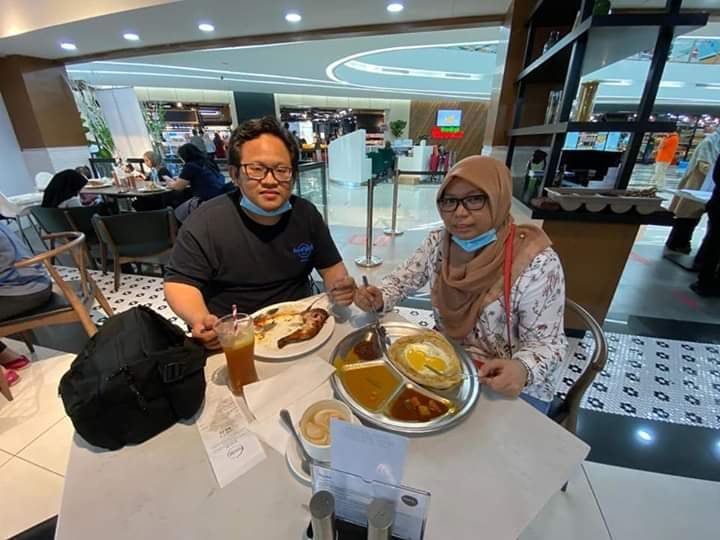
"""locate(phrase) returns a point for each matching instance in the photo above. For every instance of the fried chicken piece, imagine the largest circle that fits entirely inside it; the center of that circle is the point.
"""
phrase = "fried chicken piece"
(313, 321)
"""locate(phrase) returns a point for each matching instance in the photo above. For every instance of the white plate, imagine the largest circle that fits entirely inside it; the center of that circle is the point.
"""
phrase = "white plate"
(267, 348)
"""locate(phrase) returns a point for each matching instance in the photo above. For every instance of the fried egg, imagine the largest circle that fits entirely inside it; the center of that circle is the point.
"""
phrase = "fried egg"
(421, 355)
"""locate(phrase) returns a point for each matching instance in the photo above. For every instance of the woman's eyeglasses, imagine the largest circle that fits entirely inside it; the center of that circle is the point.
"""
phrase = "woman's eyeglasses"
(258, 172)
(473, 203)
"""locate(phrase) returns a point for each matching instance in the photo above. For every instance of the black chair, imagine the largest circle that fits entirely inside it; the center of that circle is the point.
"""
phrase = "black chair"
(57, 220)
(136, 237)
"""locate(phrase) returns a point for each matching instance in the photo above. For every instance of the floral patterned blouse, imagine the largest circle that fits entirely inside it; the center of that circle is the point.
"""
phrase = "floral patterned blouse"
(538, 306)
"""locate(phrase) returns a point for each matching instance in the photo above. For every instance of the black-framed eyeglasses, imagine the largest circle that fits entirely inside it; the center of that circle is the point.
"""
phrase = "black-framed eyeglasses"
(257, 171)
(473, 203)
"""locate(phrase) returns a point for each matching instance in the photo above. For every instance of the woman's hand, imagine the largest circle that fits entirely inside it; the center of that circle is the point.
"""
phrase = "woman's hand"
(506, 377)
(369, 298)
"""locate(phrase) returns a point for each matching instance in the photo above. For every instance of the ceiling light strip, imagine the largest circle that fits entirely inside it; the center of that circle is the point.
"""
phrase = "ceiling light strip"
(452, 94)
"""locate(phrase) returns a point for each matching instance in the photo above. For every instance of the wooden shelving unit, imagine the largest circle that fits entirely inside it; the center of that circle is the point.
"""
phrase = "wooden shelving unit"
(594, 42)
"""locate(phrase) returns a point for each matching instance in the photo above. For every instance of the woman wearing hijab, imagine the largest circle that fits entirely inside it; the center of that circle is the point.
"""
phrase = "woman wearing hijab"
(63, 191)
(464, 265)
(201, 175)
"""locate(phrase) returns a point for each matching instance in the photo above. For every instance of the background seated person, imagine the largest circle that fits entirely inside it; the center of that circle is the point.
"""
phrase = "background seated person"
(201, 175)
(157, 173)
(21, 290)
(63, 190)
(463, 264)
(256, 245)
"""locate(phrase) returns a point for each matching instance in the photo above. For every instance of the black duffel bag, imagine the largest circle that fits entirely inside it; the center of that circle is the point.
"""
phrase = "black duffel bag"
(133, 379)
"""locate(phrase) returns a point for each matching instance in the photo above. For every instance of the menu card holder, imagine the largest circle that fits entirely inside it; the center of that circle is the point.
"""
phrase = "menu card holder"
(353, 495)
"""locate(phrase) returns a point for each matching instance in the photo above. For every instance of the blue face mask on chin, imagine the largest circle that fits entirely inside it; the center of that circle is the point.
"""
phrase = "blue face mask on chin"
(247, 204)
(479, 242)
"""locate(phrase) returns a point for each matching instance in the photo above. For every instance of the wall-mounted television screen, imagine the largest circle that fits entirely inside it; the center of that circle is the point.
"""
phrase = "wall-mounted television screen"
(449, 118)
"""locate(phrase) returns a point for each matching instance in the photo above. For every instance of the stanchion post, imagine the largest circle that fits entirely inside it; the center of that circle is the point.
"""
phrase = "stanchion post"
(393, 229)
(368, 261)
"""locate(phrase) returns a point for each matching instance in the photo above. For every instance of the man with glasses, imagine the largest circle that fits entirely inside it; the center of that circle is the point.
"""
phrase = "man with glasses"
(257, 245)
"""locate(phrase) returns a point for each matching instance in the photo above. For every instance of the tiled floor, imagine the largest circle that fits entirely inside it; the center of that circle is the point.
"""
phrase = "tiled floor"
(35, 437)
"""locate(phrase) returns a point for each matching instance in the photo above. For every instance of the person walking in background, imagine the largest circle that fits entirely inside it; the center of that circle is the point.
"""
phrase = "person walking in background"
(197, 141)
(220, 152)
(708, 256)
(664, 157)
(687, 212)
(209, 144)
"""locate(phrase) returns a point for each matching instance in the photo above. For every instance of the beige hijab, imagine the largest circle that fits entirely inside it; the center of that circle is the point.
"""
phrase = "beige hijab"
(468, 282)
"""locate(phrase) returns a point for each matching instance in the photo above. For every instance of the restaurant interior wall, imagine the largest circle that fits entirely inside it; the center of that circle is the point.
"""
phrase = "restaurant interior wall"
(15, 178)
(188, 95)
(423, 118)
(395, 109)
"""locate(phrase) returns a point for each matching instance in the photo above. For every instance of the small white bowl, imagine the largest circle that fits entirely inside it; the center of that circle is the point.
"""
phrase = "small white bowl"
(317, 451)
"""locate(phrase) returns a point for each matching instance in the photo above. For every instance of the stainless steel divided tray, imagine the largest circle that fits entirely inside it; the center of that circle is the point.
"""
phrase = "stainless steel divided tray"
(458, 400)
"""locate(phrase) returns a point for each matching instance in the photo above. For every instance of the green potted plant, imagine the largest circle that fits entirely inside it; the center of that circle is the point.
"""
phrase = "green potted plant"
(397, 127)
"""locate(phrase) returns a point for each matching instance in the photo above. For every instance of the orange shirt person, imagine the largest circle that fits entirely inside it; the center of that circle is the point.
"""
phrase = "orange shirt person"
(664, 157)
(668, 147)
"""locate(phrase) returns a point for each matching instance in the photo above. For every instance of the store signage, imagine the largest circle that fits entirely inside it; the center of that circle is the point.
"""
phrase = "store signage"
(438, 132)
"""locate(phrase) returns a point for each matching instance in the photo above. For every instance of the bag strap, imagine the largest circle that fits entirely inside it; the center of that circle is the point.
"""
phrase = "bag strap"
(507, 282)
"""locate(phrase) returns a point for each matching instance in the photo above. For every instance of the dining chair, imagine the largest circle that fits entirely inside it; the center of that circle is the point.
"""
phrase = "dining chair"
(136, 237)
(55, 220)
(565, 411)
(70, 300)
(10, 210)
(42, 179)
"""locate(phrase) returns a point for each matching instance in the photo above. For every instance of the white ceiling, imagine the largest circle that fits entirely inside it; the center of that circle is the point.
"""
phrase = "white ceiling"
(36, 27)
(177, 22)
(303, 68)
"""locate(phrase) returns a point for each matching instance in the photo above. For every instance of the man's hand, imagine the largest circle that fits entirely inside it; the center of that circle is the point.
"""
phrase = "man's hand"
(203, 331)
(369, 298)
(506, 377)
(342, 291)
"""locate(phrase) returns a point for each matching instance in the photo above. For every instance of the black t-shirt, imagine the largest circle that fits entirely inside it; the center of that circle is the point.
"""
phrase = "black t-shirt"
(235, 260)
(205, 183)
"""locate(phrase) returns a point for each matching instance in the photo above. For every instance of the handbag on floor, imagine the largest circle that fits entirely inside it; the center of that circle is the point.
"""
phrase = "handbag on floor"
(133, 379)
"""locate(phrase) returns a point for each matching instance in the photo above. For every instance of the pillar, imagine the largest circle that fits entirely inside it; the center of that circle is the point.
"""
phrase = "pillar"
(42, 111)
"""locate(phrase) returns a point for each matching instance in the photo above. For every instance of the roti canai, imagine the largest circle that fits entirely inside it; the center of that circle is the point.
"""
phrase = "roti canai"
(428, 359)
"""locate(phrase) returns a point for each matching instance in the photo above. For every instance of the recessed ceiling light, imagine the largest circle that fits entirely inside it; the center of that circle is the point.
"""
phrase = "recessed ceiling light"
(130, 36)
(395, 7)
(206, 27)
(293, 17)
(68, 46)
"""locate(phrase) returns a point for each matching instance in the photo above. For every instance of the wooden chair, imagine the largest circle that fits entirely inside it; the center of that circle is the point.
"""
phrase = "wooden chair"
(68, 306)
(565, 411)
(136, 237)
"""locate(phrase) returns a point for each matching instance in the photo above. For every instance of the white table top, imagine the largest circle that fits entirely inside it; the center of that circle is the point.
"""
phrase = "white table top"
(489, 476)
(115, 191)
(693, 194)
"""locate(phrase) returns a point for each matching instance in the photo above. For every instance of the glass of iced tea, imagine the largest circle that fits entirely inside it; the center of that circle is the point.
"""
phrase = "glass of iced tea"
(237, 338)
